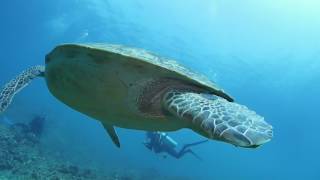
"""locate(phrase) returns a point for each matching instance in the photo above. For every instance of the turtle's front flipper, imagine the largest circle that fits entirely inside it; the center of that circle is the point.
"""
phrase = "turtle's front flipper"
(17, 84)
(218, 119)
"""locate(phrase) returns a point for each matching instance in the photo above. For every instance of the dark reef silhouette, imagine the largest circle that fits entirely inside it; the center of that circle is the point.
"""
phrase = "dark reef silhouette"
(21, 158)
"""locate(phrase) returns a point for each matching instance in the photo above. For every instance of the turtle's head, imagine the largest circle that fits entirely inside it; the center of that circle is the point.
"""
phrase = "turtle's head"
(219, 119)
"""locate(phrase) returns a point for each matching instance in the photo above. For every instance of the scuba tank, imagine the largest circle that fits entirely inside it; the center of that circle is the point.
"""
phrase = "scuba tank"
(167, 140)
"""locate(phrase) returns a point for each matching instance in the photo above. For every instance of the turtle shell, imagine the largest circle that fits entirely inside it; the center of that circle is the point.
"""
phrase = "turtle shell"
(171, 66)
(112, 83)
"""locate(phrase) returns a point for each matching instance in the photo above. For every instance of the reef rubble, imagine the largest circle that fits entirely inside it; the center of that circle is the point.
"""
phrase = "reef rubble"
(21, 158)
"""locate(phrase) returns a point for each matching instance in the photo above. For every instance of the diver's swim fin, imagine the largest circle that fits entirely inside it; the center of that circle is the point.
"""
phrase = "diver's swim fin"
(186, 150)
(195, 155)
(195, 143)
(112, 133)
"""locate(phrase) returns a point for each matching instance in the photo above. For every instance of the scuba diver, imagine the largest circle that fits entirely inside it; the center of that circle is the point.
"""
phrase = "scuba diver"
(160, 142)
(35, 126)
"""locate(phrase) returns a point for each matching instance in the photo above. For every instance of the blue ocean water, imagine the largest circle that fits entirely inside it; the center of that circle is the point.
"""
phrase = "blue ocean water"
(264, 53)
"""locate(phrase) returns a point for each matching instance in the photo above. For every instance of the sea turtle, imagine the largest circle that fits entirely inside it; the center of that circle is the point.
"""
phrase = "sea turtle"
(133, 88)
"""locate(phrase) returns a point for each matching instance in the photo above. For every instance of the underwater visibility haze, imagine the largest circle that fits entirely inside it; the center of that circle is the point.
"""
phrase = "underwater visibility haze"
(263, 54)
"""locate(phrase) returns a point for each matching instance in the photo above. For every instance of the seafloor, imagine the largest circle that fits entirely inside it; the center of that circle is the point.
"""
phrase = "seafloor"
(21, 158)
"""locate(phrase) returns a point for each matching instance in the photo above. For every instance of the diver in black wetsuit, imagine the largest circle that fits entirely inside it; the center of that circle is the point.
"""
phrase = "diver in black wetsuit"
(160, 142)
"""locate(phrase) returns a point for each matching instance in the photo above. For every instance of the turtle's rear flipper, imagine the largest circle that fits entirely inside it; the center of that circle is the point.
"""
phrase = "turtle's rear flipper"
(112, 133)
(216, 118)
(17, 84)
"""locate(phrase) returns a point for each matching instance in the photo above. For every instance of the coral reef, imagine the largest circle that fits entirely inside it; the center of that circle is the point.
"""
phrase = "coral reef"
(21, 158)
